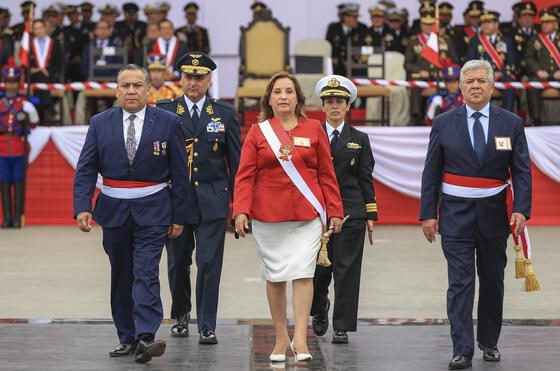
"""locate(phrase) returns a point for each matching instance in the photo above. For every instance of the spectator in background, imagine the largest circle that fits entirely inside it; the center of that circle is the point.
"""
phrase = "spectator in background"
(158, 90)
(195, 36)
(448, 99)
(163, 8)
(378, 33)
(152, 14)
(73, 44)
(469, 30)
(399, 36)
(87, 25)
(6, 40)
(27, 11)
(131, 31)
(169, 45)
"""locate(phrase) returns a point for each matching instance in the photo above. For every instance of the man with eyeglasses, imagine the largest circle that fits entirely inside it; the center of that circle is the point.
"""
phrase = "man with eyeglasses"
(473, 151)
(139, 152)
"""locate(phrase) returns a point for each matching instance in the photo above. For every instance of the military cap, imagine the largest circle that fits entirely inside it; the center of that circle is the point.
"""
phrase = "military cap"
(164, 6)
(149, 9)
(376, 11)
(351, 9)
(451, 73)
(336, 86)
(5, 12)
(191, 8)
(258, 6)
(527, 8)
(87, 6)
(489, 16)
(548, 15)
(11, 72)
(427, 17)
(130, 8)
(109, 9)
(395, 15)
(69, 9)
(387, 4)
(475, 8)
(156, 62)
(195, 63)
(51, 11)
(27, 4)
(427, 7)
(445, 8)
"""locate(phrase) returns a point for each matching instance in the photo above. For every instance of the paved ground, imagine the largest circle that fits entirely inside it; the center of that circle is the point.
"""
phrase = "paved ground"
(59, 272)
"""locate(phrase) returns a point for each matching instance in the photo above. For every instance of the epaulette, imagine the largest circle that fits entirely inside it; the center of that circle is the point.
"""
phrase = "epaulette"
(223, 104)
(165, 101)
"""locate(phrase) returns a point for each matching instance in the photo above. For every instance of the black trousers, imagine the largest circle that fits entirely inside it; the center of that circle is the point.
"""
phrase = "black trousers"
(179, 261)
(491, 259)
(345, 253)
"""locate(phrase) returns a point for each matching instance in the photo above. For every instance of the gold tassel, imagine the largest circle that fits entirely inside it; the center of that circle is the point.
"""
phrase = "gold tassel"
(323, 258)
(531, 282)
(520, 266)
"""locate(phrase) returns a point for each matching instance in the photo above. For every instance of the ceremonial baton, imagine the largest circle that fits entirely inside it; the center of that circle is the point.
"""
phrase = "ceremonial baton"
(323, 258)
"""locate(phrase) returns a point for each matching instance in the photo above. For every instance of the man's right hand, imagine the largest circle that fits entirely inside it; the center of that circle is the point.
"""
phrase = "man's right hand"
(430, 228)
(84, 221)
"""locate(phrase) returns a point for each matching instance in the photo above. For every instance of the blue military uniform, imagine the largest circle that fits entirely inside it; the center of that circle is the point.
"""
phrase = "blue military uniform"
(212, 140)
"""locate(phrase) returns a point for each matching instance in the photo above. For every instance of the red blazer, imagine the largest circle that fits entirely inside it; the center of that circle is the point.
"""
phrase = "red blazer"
(264, 191)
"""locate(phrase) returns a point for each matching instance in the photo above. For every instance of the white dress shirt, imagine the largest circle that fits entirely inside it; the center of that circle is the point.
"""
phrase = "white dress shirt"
(484, 120)
(330, 130)
(199, 105)
(138, 124)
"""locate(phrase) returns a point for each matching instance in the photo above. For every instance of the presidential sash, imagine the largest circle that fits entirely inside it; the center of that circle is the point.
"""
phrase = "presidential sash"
(551, 48)
(42, 57)
(159, 48)
(290, 160)
(491, 51)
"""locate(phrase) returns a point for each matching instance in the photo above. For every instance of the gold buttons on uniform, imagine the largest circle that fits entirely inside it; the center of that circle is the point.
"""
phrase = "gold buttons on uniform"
(196, 140)
(195, 154)
(195, 170)
(196, 184)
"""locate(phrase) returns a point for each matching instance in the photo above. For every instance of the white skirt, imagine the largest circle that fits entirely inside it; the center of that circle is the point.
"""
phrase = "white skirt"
(288, 250)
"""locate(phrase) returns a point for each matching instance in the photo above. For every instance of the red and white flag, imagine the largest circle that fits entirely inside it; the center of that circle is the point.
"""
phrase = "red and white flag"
(25, 46)
(431, 46)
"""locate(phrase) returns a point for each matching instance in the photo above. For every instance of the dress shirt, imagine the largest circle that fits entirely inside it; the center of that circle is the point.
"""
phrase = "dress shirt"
(199, 105)
(331, 129)
(484, 120)
(138, 124)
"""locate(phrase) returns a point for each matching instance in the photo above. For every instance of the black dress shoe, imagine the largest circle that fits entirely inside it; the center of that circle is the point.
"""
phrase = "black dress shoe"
(459, 362)
(340, 337)
(490, 354)
(181, 328)
(123, 350)
(207, 337)
(148, 348)
(320, 322)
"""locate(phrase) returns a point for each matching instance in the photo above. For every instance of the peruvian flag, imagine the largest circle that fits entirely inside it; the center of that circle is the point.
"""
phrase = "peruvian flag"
(25, 44)
(431, 46)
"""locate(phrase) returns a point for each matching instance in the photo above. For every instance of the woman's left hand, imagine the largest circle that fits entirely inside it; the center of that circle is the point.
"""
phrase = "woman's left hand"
(336, 224)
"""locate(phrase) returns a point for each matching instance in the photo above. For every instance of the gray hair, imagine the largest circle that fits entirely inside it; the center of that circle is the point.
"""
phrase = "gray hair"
(477, 64)
(134, 67)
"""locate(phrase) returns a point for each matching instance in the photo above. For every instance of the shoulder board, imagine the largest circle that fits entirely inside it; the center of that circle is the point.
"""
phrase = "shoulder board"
(222, 103)
(165, 101)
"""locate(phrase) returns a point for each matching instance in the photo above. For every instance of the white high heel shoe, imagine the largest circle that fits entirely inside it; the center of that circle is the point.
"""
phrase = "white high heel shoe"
(300, 357)
(277, 358)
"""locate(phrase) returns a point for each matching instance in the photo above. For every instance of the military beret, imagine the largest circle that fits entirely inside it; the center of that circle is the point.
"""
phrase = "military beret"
(191, 8)
(28, 4)
(130, 8)
(11, 72)
(336, 86)
(489, 16)
(195, 63)
(86, 6)
(156, 62)
(548, 15)
(451, 73)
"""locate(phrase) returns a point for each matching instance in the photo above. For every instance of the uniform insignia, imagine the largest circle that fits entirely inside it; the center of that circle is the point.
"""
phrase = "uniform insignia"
(163, 148)
(216, 119)
(480, 49)
(180, 109)
(209, 110)
(195, 62)
(333, 83)
(389, 37)
(418, 48)
(537, 44)
(156, 147)
(196, 56)
(368, 40)
(285, 152)
(501, 47)
(302, 142)
(503, 143)
(215, 126)
(353, 161)
(215, 147)
(352, 145)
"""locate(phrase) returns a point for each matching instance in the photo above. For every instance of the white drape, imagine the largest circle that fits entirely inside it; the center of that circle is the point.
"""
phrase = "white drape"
(399, 151)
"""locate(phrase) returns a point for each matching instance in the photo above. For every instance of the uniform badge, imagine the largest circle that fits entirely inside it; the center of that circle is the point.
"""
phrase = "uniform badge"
(163, 148)
(353, 161)
(285, 152)
(480, 49)
(501, 47)
(209, 110)
(537, 45)
(352, 145)
(215, 147)
(302, 142)
(157, 149)
(503, 143)
(180, 109)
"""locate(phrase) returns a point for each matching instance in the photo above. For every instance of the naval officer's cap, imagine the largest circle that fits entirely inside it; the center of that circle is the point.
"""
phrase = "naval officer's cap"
(336, 86)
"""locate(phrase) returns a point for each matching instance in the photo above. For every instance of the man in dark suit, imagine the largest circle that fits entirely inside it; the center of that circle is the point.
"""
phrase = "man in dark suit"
(139, 152)
(497, 49)
(353, 163)
(211, 132)
(195, 36)
(131, 30)
(473, 151)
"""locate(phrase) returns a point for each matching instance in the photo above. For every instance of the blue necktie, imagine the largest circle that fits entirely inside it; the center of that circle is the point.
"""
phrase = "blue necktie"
(195, 117)
(479, 141)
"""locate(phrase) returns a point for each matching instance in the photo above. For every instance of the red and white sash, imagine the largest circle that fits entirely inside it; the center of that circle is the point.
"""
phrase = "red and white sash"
(43, 57)
(470, 32)
(423, 39)
(491, 51)
(130, 189)
(550, 47)
(159, 48)
(276, 137)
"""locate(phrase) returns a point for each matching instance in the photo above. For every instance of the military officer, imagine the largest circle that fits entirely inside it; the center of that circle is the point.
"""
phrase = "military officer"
(353, 164)
(468, 31)
(448, 99)
(73, 44)
(379, 30)
(445, 18)
(543, 60)
(341, 34)
(15, 113)
(419, 67)
(27, 11)
(158, 89)
(523, 30)
(497, 49)
(397, 40)
(213, 144)
(6, 39)
(426, 6)
(87, 26)
(194, 35)
(131, 30)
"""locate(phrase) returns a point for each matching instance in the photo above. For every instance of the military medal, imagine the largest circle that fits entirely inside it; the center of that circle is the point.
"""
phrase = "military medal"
(163, 148)
(180, 109)
(156, 148)
(209, 110)
(352, 145)
(285, 152)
